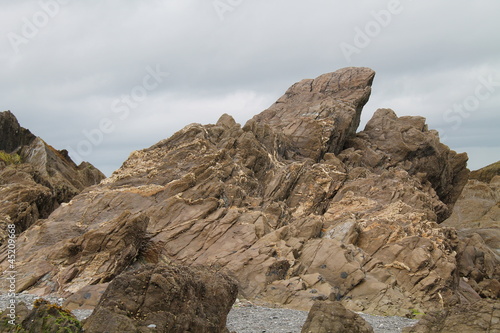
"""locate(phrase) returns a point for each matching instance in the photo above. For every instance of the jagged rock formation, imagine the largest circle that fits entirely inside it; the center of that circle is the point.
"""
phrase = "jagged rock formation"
(487, 173)
(388, 141)
(476, 216)
(170, 299)
(332, 317)
(34, 177)
(294, 205)
(481, 316)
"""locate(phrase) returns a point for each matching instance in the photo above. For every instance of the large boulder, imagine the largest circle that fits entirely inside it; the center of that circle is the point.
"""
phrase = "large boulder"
(35, 178)
(333, 317)
(169, 299)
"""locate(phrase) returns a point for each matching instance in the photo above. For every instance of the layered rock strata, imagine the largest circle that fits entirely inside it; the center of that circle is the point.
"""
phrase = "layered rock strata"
(35, 178)
(294, 205)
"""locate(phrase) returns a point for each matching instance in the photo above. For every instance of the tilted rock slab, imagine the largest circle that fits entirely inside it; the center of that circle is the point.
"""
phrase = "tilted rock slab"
(295, 214)
(42, 179)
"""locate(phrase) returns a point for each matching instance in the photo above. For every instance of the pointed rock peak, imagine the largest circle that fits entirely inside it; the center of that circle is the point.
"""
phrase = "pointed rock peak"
(12, 135)
(319, 115)
(345, 79)
(226, 121)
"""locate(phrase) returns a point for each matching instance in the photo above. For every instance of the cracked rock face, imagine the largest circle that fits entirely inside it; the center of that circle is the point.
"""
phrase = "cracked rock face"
(170, 299)
(35, 178)
(294, 205)
(476, 216)
(480, 316)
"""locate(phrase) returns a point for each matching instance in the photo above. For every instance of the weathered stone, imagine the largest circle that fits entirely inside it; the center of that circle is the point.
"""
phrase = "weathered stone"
(481, 316)
(476, 216)
(389, 141)
(320, 115)
(35, 178)
(12, 135)
(273, 210)
(332, 317)
(487, 173)
(167, 299)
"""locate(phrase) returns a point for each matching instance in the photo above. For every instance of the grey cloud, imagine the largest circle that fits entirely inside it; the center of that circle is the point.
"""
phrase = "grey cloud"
(65, 80)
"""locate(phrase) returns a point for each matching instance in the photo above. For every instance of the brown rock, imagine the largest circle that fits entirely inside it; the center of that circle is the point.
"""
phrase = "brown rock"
(476, 215)
(86, 298)
(481, 316)
(165, 299)
(487, 173)
(332, 317)
(35, 178)
(319, 115)
(389, 141)
(12, 135)
(256, 202)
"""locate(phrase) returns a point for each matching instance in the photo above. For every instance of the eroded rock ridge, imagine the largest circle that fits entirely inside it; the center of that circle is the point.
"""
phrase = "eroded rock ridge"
(294, 205)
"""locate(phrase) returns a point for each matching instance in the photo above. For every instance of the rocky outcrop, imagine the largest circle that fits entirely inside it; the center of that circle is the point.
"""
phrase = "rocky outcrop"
(318, 116)
(294, 214)
(332, 317)
(12, 135)
(390, 141)
(487, 173)
(170, 299)
(35, 178)
(481, 316)
(476, 216)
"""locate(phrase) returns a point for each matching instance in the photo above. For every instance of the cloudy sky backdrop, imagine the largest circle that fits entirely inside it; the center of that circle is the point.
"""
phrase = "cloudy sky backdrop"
(104, 78)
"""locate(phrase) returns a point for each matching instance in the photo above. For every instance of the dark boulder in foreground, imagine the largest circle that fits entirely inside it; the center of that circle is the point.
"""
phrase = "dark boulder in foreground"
(170, 299)
(332, 317)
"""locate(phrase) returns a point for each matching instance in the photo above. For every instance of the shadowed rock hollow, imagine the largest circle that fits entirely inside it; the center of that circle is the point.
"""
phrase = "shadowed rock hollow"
(294, 205)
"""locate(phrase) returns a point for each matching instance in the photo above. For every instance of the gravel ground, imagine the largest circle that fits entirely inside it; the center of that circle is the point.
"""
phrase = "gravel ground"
(246, 317)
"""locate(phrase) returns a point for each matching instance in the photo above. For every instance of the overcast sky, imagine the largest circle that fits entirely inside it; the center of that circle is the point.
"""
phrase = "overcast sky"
(104, 78)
